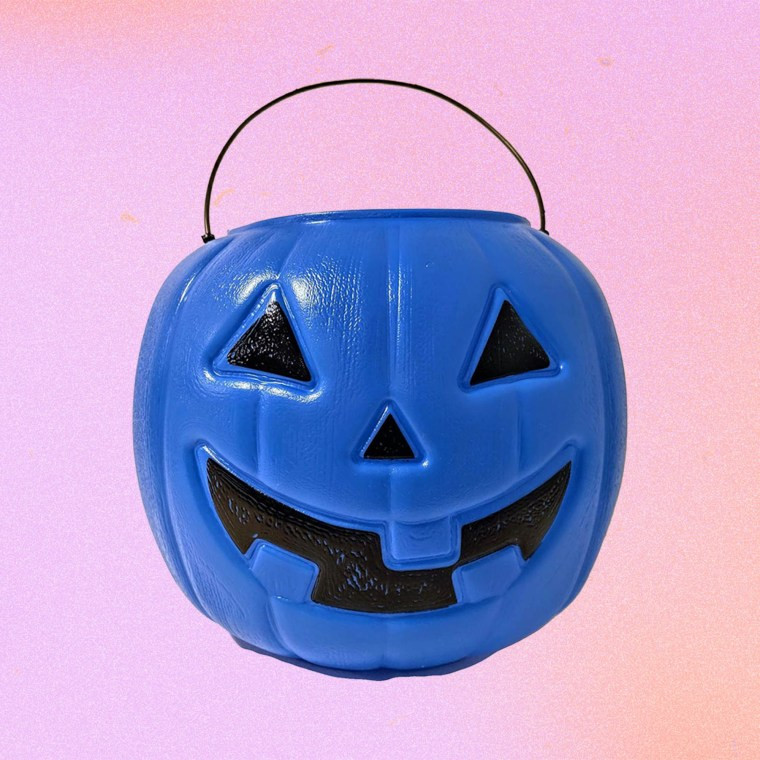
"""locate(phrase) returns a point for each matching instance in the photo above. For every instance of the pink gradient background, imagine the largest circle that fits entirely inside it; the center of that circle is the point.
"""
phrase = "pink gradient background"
(640, 123)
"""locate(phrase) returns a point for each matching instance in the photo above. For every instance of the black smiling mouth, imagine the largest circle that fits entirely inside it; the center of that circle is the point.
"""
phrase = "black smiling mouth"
(352, 574)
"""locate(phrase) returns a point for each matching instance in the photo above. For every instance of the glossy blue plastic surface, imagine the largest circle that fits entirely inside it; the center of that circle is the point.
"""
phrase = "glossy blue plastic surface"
(391, 310)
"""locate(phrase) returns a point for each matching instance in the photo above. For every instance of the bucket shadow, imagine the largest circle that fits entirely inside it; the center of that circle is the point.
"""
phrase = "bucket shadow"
(380, 674)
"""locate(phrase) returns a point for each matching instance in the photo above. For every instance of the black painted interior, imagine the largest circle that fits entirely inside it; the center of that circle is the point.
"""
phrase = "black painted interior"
(511, 349)
(352, 574)
(270, 345)
(389, 442)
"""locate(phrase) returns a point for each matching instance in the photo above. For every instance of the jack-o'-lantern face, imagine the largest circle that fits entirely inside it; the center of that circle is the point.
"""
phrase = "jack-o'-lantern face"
(386, 438)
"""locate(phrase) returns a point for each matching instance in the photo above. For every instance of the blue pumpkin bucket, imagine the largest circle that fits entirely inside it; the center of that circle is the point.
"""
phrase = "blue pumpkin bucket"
(380, 439)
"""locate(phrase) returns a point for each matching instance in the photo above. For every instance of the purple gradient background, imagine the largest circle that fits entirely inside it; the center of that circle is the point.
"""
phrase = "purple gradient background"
(640, 123)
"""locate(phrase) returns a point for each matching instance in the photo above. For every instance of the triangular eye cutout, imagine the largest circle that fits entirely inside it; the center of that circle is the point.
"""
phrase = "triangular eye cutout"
(510, 349)
(389, 442)
(270, 345)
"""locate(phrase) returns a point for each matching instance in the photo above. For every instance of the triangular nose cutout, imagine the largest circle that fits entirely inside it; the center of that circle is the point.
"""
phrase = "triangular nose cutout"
(389, 442)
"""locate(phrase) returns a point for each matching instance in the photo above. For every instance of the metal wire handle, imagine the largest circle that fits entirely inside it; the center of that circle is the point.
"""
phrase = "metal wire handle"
(208, 235)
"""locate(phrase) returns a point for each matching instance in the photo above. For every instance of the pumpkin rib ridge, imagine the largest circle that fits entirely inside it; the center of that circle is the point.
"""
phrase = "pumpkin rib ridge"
(148, 443)
(615, 415)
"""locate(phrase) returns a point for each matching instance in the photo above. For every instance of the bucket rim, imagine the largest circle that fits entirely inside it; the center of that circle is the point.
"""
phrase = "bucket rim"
(318, 217)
